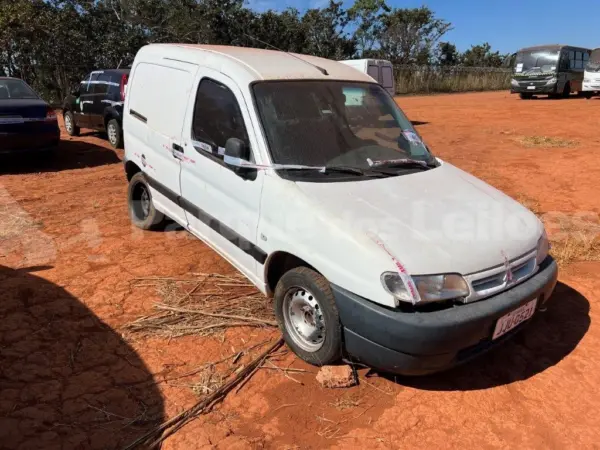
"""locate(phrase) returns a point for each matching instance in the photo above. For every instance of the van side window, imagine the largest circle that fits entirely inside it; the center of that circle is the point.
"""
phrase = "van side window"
(86, 85)
(101, 85)
(217, 117)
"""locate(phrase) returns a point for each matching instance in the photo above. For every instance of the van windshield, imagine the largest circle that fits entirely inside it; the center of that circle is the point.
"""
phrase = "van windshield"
(336, 124)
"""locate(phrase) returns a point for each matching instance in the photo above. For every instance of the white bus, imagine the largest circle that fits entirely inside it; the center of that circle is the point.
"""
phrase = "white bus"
(591, 78)
(380, 70)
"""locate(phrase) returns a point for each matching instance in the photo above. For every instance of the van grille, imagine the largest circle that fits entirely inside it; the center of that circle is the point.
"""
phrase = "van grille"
(495, 280)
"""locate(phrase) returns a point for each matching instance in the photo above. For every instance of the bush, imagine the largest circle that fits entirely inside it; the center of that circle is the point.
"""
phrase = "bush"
(429, 79)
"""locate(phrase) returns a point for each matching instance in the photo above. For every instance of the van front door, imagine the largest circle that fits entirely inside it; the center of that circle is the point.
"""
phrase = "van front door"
(222, 207)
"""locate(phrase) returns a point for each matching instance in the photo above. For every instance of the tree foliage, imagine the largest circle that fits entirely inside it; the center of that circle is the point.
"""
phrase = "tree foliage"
(482, 56)
(53, 43)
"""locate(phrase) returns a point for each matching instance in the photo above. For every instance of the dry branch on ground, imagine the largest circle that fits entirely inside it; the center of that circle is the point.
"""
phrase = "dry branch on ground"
(202, 306)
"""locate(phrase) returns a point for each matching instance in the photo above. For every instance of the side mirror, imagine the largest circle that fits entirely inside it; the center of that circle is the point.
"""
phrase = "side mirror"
(236, 154)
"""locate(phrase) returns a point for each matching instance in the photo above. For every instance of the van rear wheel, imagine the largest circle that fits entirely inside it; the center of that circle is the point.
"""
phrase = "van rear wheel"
(142, 212)
(308, 317)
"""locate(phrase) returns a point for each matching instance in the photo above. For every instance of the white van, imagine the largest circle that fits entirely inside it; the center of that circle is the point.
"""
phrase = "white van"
(380, 70)
(591, 77)
(372, 248)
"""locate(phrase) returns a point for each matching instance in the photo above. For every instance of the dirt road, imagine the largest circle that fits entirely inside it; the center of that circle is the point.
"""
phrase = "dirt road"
(71, 379)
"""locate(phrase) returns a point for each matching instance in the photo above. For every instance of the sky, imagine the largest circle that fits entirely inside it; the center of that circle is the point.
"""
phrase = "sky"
(506, 24)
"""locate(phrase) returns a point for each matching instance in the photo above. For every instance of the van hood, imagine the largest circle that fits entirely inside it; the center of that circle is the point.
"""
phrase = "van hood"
(437, 221)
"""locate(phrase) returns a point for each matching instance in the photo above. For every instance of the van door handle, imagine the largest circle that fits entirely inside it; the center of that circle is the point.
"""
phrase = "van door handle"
(178, 147)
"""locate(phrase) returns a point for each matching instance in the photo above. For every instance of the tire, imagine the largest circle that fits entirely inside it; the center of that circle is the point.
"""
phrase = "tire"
(566, 93)
(69, 119)
(315, 335)
(142, 212)
(588, 95)
(526, 96)
(114, 133)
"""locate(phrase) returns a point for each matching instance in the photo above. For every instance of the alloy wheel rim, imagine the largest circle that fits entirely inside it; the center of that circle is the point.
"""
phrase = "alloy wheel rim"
(112, 134)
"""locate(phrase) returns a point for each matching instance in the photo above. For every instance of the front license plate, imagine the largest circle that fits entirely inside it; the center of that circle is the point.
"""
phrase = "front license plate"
(514, 319)
(532, 88)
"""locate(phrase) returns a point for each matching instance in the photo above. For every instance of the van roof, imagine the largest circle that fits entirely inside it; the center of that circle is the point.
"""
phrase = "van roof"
(259, 64)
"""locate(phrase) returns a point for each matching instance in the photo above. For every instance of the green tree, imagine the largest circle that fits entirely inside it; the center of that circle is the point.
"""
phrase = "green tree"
(408, 36)
(366, 16)
(447, 54)
(324, 32)
(482, 56)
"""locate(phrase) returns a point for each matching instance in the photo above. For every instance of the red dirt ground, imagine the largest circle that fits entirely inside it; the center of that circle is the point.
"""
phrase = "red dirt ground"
(69, 378)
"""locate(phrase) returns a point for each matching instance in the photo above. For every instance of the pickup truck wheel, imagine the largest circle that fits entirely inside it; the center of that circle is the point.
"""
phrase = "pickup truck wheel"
(142, 212)
(308, 317)
(115, 134)
(70, 126)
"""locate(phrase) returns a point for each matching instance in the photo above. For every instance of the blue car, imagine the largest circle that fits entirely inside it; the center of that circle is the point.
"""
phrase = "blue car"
(27, 123)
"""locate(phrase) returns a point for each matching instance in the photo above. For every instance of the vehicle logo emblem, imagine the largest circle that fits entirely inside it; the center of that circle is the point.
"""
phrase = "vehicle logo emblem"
(144, 163)
(508, 277)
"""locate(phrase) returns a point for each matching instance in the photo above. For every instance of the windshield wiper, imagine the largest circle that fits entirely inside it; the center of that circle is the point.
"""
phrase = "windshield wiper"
(333, 169)
(400, 163)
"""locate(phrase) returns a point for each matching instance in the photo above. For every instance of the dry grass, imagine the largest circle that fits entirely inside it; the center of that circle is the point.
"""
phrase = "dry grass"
(203, 306)
(574, 247)
(530, 203)
(545, 142)
(209, 381)
(14, 222)
(346, 402)
(428, 79)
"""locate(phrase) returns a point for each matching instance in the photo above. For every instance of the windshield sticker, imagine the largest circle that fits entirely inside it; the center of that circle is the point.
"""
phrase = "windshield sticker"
(221, 151)
(519, 68)
(202, 146)
(412, 137)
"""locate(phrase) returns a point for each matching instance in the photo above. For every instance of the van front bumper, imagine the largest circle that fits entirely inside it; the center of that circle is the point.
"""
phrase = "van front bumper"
(418, 343)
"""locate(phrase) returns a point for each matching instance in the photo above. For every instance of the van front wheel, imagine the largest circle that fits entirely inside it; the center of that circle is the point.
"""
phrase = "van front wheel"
(308, 316)
(142, 212)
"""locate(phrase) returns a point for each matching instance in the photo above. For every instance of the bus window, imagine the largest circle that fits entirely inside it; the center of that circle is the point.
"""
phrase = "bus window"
(388, 80)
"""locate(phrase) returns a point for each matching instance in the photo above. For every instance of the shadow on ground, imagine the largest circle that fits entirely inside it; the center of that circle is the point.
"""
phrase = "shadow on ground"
(67, 380)
(73, 154)
(549, 338)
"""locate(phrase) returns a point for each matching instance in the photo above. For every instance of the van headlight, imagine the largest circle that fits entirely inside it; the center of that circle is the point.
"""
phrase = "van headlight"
(551, 81)
(514, 83)
(431, 288)
(543, 248)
